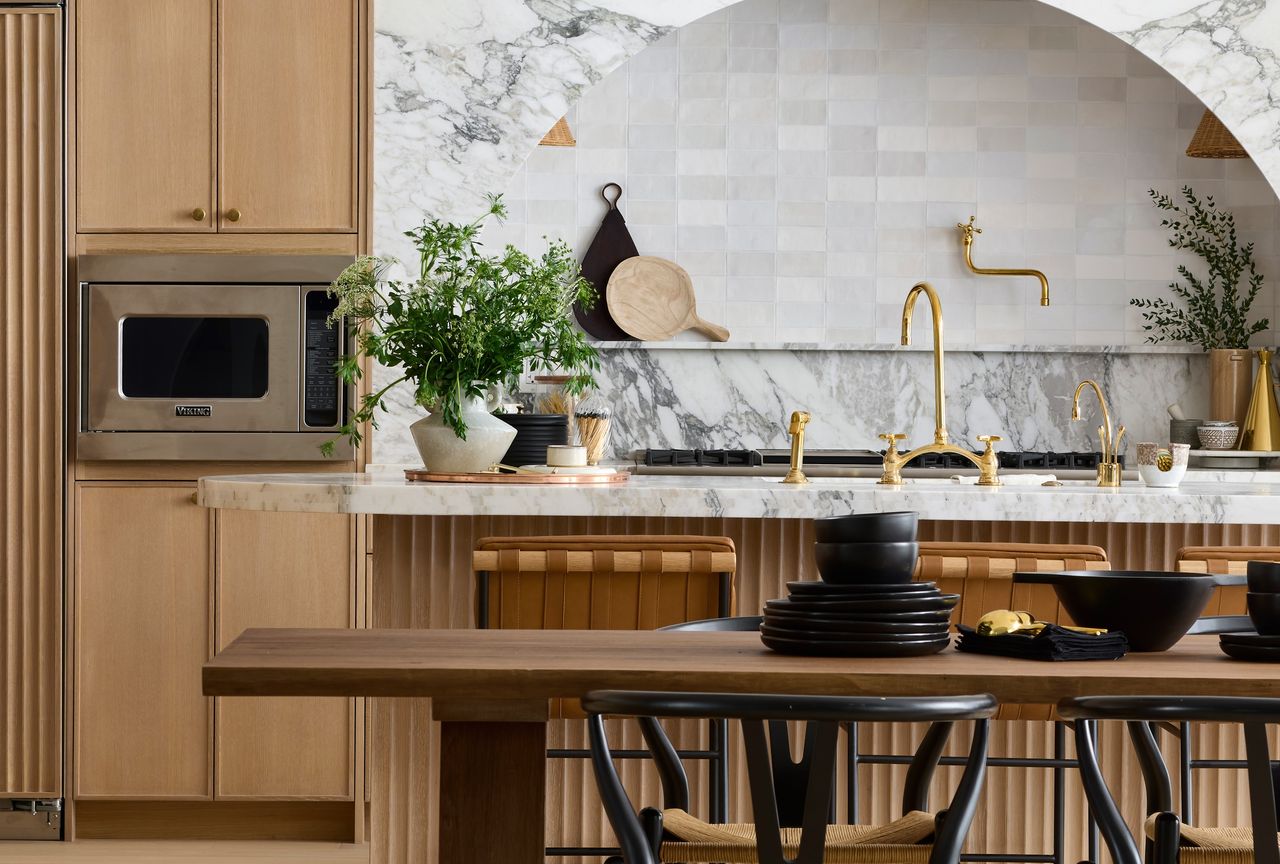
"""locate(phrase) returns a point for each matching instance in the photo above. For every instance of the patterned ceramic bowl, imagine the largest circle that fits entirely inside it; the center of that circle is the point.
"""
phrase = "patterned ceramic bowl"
(1162, 467)
(1218, 437)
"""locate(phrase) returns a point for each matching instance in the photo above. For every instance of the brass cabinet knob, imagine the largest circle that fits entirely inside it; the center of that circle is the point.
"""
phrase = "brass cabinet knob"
(198, 214)
(233, 215)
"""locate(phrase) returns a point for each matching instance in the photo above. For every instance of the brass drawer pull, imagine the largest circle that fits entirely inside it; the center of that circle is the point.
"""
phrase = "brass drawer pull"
(198, 214)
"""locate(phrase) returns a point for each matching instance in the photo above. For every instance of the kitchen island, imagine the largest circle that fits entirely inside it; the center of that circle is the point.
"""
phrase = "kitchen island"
(388, 493)
(423, 536)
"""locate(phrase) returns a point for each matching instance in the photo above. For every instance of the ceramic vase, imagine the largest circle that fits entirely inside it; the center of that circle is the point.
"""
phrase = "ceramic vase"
(1162, 467)
(1230, 383)
(442, 451)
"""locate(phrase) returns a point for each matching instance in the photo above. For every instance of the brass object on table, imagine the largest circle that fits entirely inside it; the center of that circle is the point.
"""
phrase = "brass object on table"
(1109, 470)
(987, 464)
(1261, 428)
(969, 230)
(1003, 622)
(799, 419)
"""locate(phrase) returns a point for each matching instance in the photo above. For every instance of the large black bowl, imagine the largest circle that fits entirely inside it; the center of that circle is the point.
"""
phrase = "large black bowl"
(1153, 608)
(898, 527)
(866, 563)
(1264, 577)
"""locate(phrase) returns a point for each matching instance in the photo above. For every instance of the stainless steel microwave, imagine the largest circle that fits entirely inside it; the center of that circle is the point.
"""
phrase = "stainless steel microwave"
(209, 357)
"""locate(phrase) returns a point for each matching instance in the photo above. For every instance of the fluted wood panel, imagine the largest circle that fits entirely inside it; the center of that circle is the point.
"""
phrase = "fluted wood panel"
(31, 403)
(422, 578)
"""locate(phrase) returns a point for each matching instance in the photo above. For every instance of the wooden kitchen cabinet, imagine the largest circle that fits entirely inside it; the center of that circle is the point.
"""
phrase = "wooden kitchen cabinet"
(145, 115)
(143, 556)
(288, 130)
(159, 581)
(283, 570)
(218, 116)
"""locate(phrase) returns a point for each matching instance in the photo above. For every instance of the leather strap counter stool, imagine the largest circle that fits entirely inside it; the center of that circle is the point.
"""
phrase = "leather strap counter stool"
(1226, 600)
(610, 582)
(982, 574)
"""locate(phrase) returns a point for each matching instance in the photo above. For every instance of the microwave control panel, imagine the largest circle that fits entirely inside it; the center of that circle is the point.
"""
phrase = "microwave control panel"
(321, 406)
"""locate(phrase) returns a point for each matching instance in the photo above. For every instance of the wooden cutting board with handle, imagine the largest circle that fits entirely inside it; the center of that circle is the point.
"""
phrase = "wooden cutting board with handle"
(652, 299)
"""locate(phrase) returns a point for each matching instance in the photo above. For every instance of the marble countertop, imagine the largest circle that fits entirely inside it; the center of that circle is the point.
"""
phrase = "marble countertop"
(386, 492)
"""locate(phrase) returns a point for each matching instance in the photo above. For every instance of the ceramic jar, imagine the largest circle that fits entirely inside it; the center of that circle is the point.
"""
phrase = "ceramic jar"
(1162, 467)
(442, 451)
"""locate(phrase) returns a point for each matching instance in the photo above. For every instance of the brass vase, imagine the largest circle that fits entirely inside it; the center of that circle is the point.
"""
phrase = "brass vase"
(1261, 427)
(1230, 374)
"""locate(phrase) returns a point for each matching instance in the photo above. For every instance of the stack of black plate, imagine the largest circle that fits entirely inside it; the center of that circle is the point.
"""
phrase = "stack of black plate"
(1250, 646)
(534, 433)
(820, 619)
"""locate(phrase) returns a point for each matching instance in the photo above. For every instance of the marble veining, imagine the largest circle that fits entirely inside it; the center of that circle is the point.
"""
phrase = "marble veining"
(746, 498)
(684, 398)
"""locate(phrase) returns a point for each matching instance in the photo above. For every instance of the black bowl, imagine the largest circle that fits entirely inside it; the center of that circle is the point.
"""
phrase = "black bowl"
(1153, 608)
(899, 527)
(1264, 577)
(866, 563)
(1264, 612)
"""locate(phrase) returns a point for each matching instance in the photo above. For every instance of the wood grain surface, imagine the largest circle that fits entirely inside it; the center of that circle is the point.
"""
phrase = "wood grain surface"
(535, 664)
(653, 299)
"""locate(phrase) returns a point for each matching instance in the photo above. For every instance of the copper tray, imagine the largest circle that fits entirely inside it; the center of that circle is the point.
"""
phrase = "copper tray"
(423, 475)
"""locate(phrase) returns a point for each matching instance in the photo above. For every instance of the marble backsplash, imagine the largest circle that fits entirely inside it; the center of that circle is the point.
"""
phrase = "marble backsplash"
(698, 397)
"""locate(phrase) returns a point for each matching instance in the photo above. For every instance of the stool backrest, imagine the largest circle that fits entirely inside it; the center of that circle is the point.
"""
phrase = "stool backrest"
(1224, 560)
(982, 574)
(602, 582)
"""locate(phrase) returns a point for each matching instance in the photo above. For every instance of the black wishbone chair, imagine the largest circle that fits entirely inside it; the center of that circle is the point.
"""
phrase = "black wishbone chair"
(791, 801)
(1168, 840)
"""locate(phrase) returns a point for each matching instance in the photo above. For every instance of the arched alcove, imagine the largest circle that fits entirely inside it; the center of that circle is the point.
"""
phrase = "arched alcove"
(465, 88)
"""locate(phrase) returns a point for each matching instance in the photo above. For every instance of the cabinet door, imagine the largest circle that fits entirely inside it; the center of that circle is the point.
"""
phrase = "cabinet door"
(283, 570)
(145, 110)
(288, 122)
(142, 604)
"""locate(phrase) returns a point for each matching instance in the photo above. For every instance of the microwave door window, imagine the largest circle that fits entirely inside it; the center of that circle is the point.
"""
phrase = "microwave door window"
(204, 357)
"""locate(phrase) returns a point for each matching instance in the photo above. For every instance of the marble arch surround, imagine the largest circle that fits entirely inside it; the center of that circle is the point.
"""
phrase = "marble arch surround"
(466, 88)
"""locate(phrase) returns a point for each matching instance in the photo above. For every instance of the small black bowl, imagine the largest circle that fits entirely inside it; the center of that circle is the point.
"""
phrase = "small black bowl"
(866, 563)
(1264, 612)
(899, 527)
(1264, 577)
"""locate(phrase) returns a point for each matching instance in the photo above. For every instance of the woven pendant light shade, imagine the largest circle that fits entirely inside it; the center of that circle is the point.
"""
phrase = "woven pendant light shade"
(1213, 141)
(560, 136)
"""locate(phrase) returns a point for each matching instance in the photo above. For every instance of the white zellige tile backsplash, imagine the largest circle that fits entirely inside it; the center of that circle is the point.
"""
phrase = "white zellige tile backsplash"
(807, 161)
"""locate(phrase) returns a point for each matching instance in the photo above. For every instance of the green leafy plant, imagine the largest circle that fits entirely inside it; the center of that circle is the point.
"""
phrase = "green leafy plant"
(467, 321)
(1215, 310)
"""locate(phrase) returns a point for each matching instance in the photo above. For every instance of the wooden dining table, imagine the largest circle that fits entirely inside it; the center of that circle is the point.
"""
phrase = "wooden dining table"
(490, 691)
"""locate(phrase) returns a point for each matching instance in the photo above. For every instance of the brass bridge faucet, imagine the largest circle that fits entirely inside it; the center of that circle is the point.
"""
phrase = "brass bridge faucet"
(798, 421)
(1109, 471)
(987, 463)
(969, 231)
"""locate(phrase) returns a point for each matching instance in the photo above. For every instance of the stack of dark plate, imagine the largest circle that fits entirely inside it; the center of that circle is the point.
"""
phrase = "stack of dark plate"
(534, 433)
(1264, 610)
(866, 604)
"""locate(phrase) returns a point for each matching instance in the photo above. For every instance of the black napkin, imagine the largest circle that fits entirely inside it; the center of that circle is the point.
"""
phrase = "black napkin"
(1051, 643)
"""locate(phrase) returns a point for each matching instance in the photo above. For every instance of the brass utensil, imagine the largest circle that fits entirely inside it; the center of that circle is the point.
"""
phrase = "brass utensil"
(1003, 622)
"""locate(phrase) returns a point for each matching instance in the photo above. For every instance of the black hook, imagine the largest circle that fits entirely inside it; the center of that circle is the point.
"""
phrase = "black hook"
(612, 202)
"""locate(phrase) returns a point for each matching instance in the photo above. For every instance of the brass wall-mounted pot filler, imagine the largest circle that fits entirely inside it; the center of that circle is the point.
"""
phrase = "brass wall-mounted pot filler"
(969, 230)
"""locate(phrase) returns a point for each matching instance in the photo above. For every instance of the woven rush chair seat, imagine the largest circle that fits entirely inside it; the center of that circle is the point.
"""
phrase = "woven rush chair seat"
(907, 840)
(1194, 839)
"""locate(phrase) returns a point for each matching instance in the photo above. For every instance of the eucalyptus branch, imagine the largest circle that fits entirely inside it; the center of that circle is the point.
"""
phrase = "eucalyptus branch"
(1213, 311)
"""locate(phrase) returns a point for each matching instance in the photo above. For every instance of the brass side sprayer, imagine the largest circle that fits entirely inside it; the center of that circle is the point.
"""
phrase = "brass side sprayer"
(969, 230)
(799, 419)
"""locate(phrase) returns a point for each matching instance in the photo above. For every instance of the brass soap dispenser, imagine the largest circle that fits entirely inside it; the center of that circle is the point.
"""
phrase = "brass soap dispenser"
(1261, 429)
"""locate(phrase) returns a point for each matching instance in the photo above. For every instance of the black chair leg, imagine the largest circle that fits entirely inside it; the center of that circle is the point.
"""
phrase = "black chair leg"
(1059, 794)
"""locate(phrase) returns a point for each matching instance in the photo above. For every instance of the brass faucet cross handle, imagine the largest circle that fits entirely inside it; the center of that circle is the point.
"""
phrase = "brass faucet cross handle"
(798, 421)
